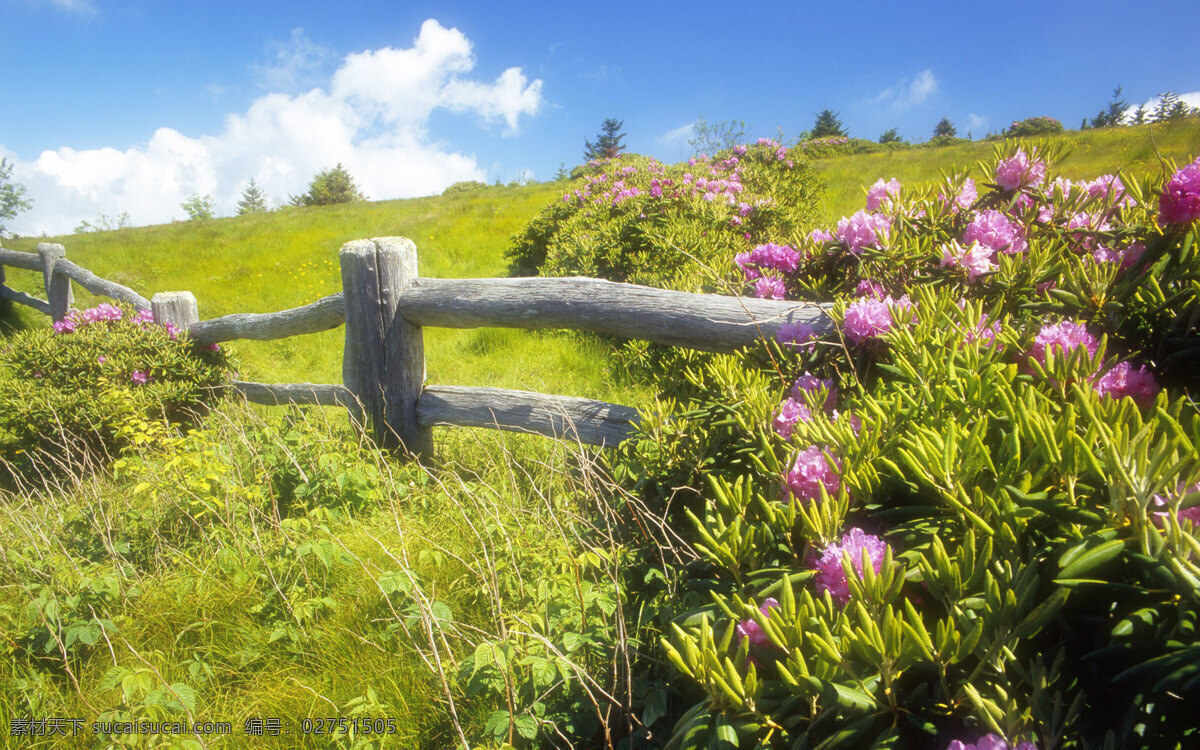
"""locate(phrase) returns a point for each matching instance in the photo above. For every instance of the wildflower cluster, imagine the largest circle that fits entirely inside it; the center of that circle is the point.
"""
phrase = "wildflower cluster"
(1005, 407)
(70, 390)
(678, 226)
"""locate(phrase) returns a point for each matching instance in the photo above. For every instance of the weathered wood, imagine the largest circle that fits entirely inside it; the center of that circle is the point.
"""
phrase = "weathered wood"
(17, 259)
(590, 422)
(58, 284)
(384, 361)
(99, 286)
(328, 312)
(702, 321)
(28, 300)
(273, 394)
(177, 308)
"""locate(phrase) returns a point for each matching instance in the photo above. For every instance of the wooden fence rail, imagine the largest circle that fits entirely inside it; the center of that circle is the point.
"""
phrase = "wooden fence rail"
(384, 306)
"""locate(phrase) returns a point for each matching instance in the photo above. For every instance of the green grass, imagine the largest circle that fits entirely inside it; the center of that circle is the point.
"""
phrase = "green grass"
(289, 258)
(1131, 150)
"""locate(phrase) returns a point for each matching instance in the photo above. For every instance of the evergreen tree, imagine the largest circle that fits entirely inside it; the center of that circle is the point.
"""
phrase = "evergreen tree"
(827, 125)
(254, 200)
(890, 136)
(329, 186)
(12, 195)
(608, 142)
(944, 128)
(1112, 114)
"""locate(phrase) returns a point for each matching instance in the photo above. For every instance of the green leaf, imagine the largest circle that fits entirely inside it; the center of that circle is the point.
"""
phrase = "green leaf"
(1081, 559)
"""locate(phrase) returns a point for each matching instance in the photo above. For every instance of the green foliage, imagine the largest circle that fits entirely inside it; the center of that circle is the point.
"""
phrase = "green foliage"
(944, 129)
(1170, 107)
(80, 395)
(1113, 114)
(1037, 584)
(329, 187)
(634, 219)
(710, 138)
(466, 186)
(105, 223)
(199, 206)
(890, 136)
(827, 125)
(608, 142)
(12, 195)
(1033, 126)
(824, 148)
(253, 200)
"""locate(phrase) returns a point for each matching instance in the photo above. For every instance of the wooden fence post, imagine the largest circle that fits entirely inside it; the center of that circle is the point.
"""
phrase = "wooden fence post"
(177, 308)
(384, 361)
(58, 285)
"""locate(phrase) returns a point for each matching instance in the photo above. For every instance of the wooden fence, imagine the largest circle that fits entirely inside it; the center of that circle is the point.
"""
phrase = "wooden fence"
(385, 305)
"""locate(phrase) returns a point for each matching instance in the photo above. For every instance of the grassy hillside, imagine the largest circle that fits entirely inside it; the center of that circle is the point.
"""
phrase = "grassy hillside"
(288, 258)
(1132, 150)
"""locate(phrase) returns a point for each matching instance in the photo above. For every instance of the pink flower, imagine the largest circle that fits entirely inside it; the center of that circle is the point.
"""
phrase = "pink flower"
(1110, 188)
(812, 470)
(989, 742)
(831, 576)
(795, 335)
(882, 192)
(1019, 171)
(809, 383)
(863, 230)
(868, 318)
(976, 259)
(770, 287)
(995, 230)
(139, 378)
(821, 235)
(143, 317)
(964, 198)
(1123, 380)
(750, 630)
(1180, 200)
(66, 325)
(778, 257)
(1190, 515)
(868, 288)
(1061, 339)
(790, 412)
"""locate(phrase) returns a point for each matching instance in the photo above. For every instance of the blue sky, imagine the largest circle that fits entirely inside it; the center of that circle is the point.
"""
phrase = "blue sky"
(133, 105)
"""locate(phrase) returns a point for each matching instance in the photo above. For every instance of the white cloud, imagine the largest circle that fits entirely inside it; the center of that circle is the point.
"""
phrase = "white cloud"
(82, 7)
(296, 63)
(908, 92)
(1191, 99)
(976, 123)
(681, 134)
(371, 117)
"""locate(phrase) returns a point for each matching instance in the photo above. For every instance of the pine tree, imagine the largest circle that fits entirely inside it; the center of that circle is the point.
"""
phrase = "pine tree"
(890, 136)
(1112, 114)
(944, 128)
(254, 200)
(608, 142)
(827, 125)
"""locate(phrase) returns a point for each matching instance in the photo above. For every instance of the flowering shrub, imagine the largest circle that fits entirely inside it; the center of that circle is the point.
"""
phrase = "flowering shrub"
(1013, 418)
(68, 393)
(634, 219)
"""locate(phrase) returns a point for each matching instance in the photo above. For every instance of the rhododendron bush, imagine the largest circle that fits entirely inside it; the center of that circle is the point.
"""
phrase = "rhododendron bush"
(968, 518)
(71, 394)
(676, 226)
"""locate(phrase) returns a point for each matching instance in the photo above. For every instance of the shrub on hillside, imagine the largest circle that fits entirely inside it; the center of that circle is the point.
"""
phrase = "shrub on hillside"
(329, 187)
(634, 219)
(975, 513)
(466, 186)
(822, 148)
(1033, 126)
(77, 391)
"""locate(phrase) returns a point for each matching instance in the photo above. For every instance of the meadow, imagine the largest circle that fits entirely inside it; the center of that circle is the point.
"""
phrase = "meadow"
(270, 565)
